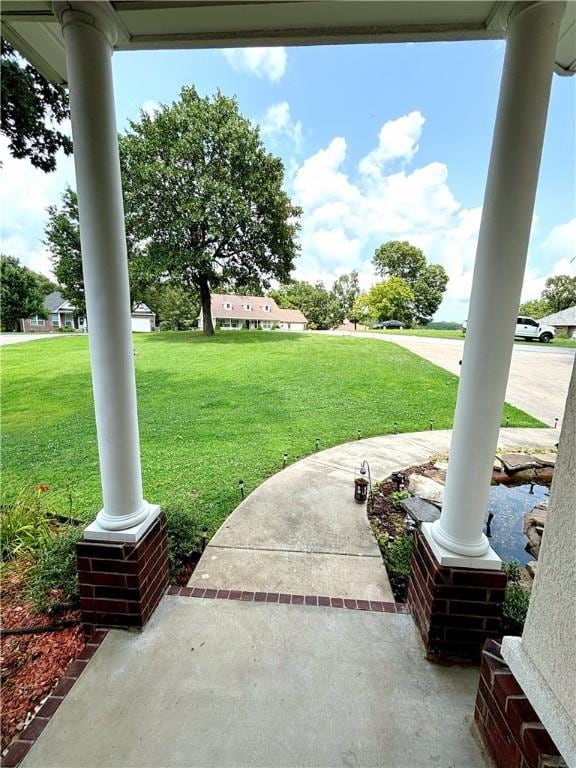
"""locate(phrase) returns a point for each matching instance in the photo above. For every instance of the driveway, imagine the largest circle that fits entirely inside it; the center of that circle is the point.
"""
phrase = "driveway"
(21, 338)
(539, 374)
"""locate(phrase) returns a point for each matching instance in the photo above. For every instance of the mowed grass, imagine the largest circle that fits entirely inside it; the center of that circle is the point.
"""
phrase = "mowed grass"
(212, 412)
(459, 335)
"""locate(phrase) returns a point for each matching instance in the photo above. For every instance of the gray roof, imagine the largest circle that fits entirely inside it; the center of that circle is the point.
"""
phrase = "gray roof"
(53, 301)
(564, 317)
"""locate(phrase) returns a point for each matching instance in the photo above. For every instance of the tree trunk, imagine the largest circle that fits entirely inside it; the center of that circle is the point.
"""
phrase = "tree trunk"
(206, 308)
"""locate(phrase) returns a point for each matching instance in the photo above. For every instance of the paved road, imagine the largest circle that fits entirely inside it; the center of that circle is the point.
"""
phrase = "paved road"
(6, 339)
(539, 375)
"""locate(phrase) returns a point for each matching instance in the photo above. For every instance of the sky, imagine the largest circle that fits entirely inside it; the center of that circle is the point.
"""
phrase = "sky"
(379, 142)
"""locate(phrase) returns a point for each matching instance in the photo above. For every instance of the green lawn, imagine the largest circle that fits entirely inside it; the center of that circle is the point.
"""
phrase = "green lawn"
(212, 411)
(557, 342)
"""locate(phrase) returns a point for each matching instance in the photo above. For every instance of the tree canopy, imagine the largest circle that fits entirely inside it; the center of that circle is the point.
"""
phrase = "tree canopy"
(204, 194)
(427, 281)
(32, 108)
(391, 300)
(314, 301)
(560, 292)
(345, 290)
(21, 294)
(63, 240)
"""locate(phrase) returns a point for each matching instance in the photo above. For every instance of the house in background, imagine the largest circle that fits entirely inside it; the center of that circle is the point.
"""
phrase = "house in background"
(232, 313)
(60, 316)
(565, 321)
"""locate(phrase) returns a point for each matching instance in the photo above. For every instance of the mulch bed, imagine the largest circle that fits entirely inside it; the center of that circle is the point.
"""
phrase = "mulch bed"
(32, 664)
(383, 515)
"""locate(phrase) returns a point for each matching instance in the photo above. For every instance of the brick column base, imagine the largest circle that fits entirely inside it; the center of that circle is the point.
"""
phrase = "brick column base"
(509, 728)
(455, 609)
(122, 583)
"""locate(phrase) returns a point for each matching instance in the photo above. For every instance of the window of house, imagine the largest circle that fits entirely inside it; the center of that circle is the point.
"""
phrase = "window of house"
(248, 307)
(36, 320)
(266, 324)
(228, 323)
(266, 307)
(54, 318)
(68, 322)
(227, 305)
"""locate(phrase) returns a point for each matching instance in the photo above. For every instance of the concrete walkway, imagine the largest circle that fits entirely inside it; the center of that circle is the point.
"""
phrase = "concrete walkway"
(302, 532)
(539, 373)
(213, 683)
(6, 339)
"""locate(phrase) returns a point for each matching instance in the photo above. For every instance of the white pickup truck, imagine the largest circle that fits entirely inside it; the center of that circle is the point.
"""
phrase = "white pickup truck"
(529, 329)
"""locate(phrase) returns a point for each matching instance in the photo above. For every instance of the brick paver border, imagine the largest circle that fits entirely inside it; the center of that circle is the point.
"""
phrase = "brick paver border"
(321, 601)
(20, 748)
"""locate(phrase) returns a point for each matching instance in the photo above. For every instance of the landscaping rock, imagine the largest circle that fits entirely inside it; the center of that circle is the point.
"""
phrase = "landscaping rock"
(436, 474)
(419, 510)
(426, 488)
(544, 474)
(517, 462)
(531, 567)
(534, 523)
(546, 459)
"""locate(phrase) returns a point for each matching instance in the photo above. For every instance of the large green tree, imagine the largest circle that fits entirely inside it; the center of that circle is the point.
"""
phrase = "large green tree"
(560, 292)
(428, 281)
(345, 290)
(203, 192)
(63, 240)
(391, 300)
(32, 110)
(314, 301)
(535, 308)
(20, 293)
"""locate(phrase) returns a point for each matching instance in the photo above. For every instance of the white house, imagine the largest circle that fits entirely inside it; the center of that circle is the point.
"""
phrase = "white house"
(233, 313)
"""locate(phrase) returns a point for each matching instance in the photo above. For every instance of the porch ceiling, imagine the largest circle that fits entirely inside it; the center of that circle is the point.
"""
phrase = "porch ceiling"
(154, 24)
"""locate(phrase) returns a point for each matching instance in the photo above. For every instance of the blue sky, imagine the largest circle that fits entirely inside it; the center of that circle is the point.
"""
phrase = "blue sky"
(379, 142)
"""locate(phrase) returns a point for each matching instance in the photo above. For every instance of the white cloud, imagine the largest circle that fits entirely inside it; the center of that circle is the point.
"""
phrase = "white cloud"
(397, 140)
(25, 193)
(278, 124)
(269, 63)
(561, 243)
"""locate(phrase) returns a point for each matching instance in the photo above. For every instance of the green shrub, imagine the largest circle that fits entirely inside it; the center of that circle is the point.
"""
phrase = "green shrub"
(54, 575)
(397, 556)
(516, 601)
(397, 496)
(184, 538)
(25, 524)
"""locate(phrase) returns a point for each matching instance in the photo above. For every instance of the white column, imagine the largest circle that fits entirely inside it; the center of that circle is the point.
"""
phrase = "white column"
(498, 274)
(89, 40)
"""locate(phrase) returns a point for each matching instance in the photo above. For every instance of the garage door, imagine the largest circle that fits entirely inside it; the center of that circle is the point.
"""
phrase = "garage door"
(141, 324)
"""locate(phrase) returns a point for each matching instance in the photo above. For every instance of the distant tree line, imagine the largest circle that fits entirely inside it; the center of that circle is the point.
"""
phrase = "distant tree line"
(559, 293)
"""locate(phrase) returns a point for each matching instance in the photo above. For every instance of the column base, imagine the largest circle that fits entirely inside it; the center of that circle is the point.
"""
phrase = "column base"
(509, 728)
(121, 583)
(456, 609)
(487, 560)
(95, 532)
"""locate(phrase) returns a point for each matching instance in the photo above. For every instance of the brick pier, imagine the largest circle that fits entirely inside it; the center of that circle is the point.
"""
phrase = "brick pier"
(122, 583)
(455, 609)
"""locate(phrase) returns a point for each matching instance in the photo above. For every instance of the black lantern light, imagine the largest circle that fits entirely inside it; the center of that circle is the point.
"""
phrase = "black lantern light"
(398, 479)
(362, 483)
(241, 486)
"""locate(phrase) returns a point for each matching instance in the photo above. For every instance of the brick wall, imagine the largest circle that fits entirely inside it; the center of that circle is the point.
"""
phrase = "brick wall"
(121, 584)
(455, 609)
(27, 326)
(508, 726)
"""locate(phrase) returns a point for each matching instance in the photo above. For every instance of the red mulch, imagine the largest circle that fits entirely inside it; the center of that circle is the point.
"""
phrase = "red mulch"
(31, 664)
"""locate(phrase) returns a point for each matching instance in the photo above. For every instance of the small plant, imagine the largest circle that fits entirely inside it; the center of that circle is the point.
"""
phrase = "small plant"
(516, 600)
(54, 575)
(183, 538)
(397, 496)
(25, 523)
(397, 556)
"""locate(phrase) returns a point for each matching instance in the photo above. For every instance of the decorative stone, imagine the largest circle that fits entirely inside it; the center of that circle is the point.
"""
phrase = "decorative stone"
(516, 462)
(546, 459)
(419, 510)
(436, 474)
(538, 515)
(426, 488)
(531, 567)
